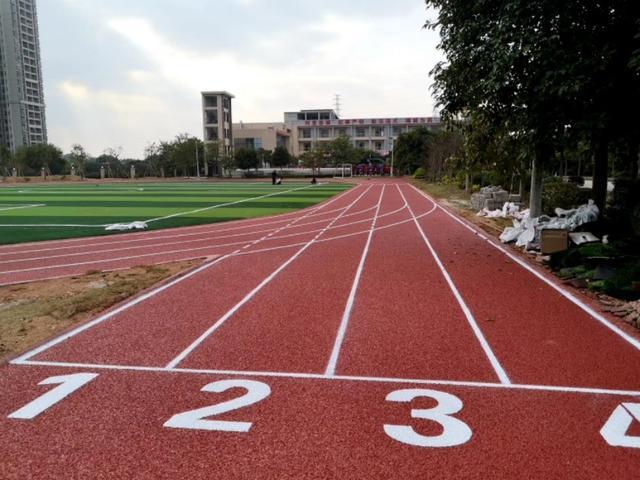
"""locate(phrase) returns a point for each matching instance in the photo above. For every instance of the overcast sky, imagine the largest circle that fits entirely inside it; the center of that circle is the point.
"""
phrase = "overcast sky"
(129, 72)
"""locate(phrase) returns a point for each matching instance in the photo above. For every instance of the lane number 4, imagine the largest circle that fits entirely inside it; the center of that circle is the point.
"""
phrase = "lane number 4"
(615, 430)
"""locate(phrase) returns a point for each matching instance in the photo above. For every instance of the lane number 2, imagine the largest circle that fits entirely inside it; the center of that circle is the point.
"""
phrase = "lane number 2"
(194, 419)
(68, 385)
(454, 431)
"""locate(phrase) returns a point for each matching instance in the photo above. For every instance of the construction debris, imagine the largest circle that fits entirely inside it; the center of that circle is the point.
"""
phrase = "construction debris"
(628, 311)
(127, 226)
(526, 232)
(490, 198)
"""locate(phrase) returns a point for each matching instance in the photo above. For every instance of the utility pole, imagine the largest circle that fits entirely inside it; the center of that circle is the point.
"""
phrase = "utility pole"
(391, 142)
(197, 162)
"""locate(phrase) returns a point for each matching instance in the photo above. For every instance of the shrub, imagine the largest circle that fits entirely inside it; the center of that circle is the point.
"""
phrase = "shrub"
(556, 193)
(624, 206)
(419, 173)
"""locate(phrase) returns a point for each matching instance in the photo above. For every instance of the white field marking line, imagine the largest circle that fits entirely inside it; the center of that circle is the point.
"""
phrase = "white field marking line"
(4, 209)
(568, 295)
(182, 242)
(171, 252)
(49, 225)
(160, 235)
(164, 252)
(219, 205)
(173, 363)
(345, 378)
(497, 367)
(263, 250)
(136, 301)
(346, 314)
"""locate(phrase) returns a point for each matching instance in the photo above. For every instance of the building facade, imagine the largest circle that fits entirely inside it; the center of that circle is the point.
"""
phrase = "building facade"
(217, 120)
(261, 135)
(22, 108)
(313, 127)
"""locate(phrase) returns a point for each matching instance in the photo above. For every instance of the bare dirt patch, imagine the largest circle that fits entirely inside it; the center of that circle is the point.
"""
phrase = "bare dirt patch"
(33, 312)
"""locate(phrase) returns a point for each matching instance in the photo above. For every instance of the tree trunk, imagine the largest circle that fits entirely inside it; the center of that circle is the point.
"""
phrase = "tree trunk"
(535, 197)
(600, 170)
(467, 187)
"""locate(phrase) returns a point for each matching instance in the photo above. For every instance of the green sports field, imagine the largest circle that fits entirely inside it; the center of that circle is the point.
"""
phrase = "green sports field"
(45, 212)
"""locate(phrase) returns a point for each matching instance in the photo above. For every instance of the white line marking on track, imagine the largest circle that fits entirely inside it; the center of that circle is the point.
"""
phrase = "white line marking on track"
(136, 301)
(348, 378)
(569, 296)
(497, 367)
(173, 363)
(342, 330)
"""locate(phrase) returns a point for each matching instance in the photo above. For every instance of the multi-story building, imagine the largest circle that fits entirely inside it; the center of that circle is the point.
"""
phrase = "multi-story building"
(22, 109)
(217, 120)
(261, 135)
(312, 127)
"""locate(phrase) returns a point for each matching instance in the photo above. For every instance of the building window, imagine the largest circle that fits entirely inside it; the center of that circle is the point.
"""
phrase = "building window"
(212, 133)
(378, 146)
(211, 116)
(210, 102)
(306, 133)
(306, 147)
(341, 131)
(361, 132)
(324, 133)
(398, 130)
(378, 132)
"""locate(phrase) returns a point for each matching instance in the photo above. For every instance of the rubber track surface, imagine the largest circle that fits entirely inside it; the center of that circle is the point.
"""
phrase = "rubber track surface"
(332, 312)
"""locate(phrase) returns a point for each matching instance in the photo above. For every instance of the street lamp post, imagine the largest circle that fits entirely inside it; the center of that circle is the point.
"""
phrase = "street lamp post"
(391, 142)
(197, 161)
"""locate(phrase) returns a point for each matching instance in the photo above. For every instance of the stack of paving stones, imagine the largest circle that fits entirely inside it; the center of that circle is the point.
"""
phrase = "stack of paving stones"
(629, 312)
(491, 198)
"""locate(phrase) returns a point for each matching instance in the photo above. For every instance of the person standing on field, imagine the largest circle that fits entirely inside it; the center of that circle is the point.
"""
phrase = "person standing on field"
(274, 175)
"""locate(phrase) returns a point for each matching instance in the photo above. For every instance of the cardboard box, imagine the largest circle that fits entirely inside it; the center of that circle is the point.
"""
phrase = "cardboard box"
(553, 240)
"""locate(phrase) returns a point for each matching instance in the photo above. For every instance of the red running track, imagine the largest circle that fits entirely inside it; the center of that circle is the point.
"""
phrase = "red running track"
(375, 336)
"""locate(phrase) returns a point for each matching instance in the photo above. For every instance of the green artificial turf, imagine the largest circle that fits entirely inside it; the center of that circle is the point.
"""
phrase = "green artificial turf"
(67, 211)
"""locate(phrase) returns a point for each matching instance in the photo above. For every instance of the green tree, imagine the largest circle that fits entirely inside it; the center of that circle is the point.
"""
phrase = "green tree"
(341, 150)
(280, 157)
(33, 158)
(78, 158)
(411, 149)
(246, 158)
(6, 161)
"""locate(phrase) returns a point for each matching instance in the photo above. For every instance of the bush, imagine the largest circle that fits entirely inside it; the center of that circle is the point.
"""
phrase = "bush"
(556, 193)
(419, 173)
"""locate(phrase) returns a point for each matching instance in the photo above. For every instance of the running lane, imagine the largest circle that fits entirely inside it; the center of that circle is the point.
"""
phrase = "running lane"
(405, 321)
(538, 335)
(155, 330)
(289, 325)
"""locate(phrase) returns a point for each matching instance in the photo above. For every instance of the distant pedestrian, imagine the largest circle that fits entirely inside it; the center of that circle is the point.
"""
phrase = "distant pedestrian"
(274, 177)
(314, 181)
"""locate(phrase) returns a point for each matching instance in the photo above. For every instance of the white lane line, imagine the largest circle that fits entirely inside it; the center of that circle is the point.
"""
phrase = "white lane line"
(188, 250)
(346, 314)
(203, 230)
(568, 295)
(136, 301)
(4, 209)
(173, 363)
(338, 378)
(183, 242)
(497, 367)
(198, 210)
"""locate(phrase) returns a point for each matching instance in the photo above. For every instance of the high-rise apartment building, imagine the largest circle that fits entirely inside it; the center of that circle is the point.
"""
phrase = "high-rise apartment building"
(22, 110)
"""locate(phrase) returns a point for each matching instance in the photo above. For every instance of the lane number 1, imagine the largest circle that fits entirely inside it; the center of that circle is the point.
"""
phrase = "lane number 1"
(68, 385)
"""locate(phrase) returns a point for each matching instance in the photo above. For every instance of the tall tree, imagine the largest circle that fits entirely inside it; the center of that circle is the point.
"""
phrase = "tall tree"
(246, 158)
(280, 157)
(78, 158)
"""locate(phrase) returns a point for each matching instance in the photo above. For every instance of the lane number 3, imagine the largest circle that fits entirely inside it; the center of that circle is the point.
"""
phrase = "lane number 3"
(454, 431)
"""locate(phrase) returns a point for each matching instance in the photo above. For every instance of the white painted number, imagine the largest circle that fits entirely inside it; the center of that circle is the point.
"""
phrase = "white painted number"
(454, 431)
(193, 419)
(616, 428)
(68, 385)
